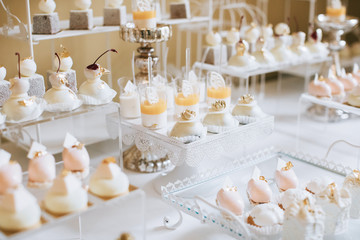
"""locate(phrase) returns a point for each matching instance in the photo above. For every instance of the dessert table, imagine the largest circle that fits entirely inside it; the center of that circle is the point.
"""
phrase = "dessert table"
(283, 107)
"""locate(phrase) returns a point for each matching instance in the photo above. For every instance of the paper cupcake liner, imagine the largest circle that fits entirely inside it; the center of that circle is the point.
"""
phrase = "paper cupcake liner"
(193, 138)
(89, 100)
(63, 107)
(245, 119)
(218, 129)
(268, 232)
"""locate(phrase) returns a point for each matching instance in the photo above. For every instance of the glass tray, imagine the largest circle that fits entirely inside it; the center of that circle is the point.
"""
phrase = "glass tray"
(184, 194)
(105, 219)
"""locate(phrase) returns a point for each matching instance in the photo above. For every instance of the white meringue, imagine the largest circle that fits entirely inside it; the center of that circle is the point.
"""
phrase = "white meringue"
(83, 4)
(28, 67)
(267, 31)
(213, 39)
(233, 36)
(47, 6)
(252, 34)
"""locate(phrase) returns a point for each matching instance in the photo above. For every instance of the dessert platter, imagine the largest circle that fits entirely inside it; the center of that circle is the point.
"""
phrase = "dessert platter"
(50, 193)
(286, 192)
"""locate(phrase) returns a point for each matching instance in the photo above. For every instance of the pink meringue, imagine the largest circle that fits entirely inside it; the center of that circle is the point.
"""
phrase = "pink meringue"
(319, 88)
(356, 73)
(285, 176)
(258, 188)
(230, 199)
(348, 81)
(10, 176)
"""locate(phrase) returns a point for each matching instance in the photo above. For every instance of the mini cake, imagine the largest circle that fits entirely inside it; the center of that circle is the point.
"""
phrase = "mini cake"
(319, 88)
(36, 81)
(10, 173)
(153, 108)
(108, 180)
(229, 198)
(285, 199)
(19, 210)
(218, 119)
(130, 101)
(144, 13)
(48, 21)
(285, 176)
(318, 184)
(218, 89)
(242, 57)
(303, 220)
(265, 220)
(114, 13)
(258, 189)
(337, 88)
(82, 18)
(75, 156)
(247, 110)
(41, 167)
(60, 98)
(262, 54)
(95, 91)
(188, 128)
(187, 98)
(281, 51)
(354, 97)
(335, 11)
(336, 204)
(347, 80)
(352, 184)
(216, 52)
(66, 195)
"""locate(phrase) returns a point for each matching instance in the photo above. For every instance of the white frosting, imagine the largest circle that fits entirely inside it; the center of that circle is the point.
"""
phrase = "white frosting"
(83, 4)
(252, 34)
(47, 6)
(233, 36)
(2, 73)
(36, 147)
(267, 214)
(282, 29)
(66, 63)
(213, 39)
(28, 67)
(114, 3)
(4, 157)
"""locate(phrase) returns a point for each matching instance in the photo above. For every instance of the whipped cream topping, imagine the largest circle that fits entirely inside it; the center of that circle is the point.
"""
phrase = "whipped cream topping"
(282, 29)
(233, 36)
(47, 6)
(188, 115)
(83, 4)
(267, 214)
(213, 39)
(305, 210)
(65, 183)
(28, 67)
(2, 73)
(17, 199)
(4, 157)
(108, 169)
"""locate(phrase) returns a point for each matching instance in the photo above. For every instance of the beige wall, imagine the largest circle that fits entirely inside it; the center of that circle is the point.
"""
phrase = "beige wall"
(85, 49)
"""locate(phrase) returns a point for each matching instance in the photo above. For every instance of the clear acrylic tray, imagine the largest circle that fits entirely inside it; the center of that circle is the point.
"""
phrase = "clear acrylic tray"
(188, 194)
(103, 219)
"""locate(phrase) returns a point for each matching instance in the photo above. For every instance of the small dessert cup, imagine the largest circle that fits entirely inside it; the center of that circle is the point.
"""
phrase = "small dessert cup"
(153, 107)
(187, 97)
(144, 13)
(336, 10)
(129, 99)
(218, 88)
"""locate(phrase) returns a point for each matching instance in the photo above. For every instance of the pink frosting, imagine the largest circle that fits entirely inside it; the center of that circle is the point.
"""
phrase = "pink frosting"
(286, 179)
(259, 191)
(231, 200)
(319, 89)
(75, 159)
(336, 86)
(10, 176)
(42, 168)
(348, 82)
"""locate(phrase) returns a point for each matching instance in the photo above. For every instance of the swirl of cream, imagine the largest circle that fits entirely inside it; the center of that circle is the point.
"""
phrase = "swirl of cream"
(2, 73)
(213, 39)
(233, 36)
(188, 115)
(83, 4)
(282, 29)
(114, 3)
(218, 106)
(28, 67)
(47, 6)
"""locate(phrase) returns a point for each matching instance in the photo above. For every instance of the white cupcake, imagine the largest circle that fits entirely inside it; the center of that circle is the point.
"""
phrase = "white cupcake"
(247, 110)
(303, 220)
(218, 119)
(336, 204)
(352, 184)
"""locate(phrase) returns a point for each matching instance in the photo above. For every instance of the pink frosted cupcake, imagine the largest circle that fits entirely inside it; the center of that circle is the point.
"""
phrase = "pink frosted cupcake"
(319, 88)
(229, 198)
(10, 173)
(337, 87)
(258, 188)
(75, 156)
(41, 167)
(285, 176)
(348, 80)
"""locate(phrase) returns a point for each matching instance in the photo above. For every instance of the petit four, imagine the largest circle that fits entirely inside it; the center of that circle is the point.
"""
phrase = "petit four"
(281, 51)
(258, 189)
(144, 13)
(19, 210)
(247, 110)
(347, 80)
(335, 10)
(41, 172)
(10, 173)
(242, 58)
(188, 128)
(114, 13)
(352, 184)
(108, 180)
(82, 18)
(59, 97)
(354, 97)
(319, 88)
(95, 91)
(303, 220)
(153, 108)
(187, 97)
(315, 46)
(129, 101)
(66, 195)
(285, 176)
(48, 21)
(262, 54)
(336, 204)
(218, 89)
(318, 184)
(218, 119)
(75, 156)
(229, 198)
(292, 195)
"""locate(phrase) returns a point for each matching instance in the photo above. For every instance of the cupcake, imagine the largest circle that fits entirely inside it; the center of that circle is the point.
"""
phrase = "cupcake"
(229, 198)
(285, 199)
(19, 210)
(108, 180)
(354, 97)
(10, 175)
(265, 220)
(75, 156)
(246, 110)
(318, 184)
(188, 128)
(347, 80)
(319, 88)
(336, 204)
(41, 172)
(258, 189)
(303, 220)
(66, 195)
(218, 119)
(285, 176)
(352, 184)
